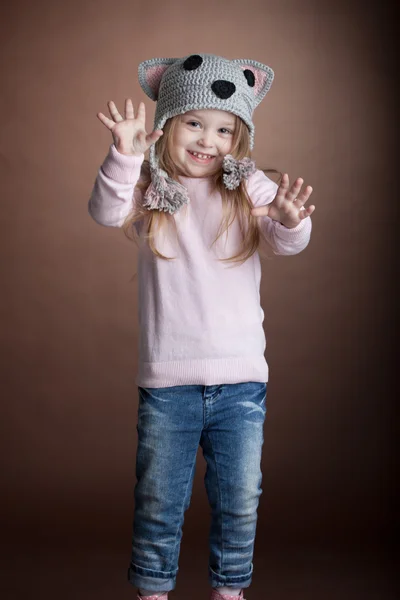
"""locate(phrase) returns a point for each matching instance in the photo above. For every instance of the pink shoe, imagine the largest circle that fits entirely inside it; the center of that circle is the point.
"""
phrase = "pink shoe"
(215, 595)
(154, 597)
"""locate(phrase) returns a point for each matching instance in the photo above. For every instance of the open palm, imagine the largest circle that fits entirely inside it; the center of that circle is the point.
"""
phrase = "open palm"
(288, 205)
(129, 133)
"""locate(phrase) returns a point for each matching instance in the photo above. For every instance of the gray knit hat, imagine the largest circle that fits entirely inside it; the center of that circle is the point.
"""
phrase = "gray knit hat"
(197, 82)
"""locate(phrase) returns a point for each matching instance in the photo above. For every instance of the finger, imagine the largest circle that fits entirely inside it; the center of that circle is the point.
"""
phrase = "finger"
(303, 197)
(152, 137)
(141, 114)
(295, 189)
(105, 120)
(129, 113)
(306, 212)
(283, 187)
(114, 112)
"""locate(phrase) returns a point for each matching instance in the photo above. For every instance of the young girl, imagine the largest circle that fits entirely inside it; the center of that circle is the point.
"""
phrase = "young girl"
(199, 209)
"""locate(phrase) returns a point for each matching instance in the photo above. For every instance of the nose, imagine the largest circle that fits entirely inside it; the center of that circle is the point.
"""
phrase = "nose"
(206, 139)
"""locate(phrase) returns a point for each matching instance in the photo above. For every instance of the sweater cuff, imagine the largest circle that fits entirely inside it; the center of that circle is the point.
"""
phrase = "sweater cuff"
(121, 167)
(296, 233)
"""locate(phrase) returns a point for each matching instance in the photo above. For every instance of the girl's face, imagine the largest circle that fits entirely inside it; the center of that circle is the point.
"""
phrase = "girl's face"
(200, 141)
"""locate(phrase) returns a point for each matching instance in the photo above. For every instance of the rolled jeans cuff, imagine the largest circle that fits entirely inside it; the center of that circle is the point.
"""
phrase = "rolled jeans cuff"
(217, 580)
(148, 579)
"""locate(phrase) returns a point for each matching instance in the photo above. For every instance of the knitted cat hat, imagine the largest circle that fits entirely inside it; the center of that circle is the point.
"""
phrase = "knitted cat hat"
(197, 82)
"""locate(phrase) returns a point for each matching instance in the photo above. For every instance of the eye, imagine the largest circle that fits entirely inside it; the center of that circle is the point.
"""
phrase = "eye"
(193, 123)
(225, 130)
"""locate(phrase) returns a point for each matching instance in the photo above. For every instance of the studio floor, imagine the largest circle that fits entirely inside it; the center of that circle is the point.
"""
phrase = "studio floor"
(82, 573)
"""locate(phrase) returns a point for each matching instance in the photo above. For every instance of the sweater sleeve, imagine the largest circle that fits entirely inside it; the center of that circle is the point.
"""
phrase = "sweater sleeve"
(112, 197)
(282, 240)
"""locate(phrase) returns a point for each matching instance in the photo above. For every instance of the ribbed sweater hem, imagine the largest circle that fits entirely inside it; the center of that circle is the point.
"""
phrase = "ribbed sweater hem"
(202, 372)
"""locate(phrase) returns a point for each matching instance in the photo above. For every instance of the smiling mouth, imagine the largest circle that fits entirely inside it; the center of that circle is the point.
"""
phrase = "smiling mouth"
(199, 157)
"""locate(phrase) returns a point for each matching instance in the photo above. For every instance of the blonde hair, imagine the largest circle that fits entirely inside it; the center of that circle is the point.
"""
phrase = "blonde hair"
(235, 203)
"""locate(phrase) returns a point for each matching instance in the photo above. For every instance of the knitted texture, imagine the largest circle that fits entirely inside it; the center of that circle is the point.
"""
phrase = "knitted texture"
(165, 194)
(201, 81)
(236, 170)
(197, 82)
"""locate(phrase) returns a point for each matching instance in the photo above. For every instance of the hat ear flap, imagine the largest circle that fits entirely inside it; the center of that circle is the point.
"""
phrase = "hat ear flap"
(259, 77)
(150, 75)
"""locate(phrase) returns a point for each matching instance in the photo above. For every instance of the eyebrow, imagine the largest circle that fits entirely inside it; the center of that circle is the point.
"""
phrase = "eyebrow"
(227, 123)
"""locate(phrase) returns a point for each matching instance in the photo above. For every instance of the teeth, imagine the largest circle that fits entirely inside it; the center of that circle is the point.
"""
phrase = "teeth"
(202, 155)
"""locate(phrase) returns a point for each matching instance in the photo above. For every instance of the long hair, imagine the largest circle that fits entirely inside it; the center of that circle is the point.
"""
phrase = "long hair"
(235, 203)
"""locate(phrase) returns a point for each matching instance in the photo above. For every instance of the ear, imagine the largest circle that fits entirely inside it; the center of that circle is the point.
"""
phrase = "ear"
(258, 76)
(150, 74)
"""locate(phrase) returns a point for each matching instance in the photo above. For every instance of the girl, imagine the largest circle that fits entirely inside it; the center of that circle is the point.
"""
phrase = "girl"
(199, 209)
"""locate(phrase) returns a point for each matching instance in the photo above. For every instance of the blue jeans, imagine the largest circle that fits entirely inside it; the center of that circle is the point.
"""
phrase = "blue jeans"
(227, 421)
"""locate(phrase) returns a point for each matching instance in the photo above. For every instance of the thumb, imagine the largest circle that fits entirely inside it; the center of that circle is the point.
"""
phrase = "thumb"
(152, 137)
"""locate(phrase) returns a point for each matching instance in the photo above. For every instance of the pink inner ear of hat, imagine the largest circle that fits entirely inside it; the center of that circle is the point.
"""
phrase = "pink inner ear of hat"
(153, 77)
(259, 75)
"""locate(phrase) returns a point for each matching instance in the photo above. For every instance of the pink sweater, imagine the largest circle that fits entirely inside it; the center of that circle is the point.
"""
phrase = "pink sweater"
(200, 319)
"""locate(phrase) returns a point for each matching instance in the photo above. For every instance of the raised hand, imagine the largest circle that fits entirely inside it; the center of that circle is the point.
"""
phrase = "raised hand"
(129, 133)
(288, 206)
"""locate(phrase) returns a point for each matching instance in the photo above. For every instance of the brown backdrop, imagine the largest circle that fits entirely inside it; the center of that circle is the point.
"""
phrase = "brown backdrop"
(68, 303)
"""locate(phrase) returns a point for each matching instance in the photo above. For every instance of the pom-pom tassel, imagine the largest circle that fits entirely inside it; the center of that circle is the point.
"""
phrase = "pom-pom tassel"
(165, 194)
(236, 170)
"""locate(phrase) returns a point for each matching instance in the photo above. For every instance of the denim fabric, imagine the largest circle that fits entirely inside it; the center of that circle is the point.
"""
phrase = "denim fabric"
(227, 421)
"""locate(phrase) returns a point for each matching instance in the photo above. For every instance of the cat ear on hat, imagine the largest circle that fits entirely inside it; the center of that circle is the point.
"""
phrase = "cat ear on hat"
(258, 76)
(150, 73)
